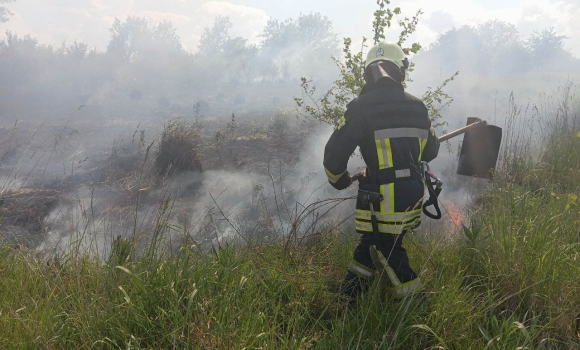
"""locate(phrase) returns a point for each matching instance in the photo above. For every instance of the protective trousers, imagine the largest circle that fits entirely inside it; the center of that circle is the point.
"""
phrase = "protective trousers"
(394, 266)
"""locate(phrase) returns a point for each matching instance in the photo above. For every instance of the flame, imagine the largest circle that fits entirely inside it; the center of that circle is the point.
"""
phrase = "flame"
(453, 213)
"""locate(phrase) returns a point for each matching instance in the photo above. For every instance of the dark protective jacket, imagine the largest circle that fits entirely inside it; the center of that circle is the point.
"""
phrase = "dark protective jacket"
(394, 133)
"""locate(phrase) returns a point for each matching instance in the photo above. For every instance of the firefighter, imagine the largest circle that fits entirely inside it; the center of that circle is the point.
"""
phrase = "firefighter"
(394, 133)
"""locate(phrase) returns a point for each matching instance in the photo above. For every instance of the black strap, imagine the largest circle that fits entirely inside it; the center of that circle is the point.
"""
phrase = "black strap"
(433, 199)
(376, 233)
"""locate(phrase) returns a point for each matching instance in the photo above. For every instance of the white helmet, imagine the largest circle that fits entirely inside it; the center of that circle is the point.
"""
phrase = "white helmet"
(392, 52)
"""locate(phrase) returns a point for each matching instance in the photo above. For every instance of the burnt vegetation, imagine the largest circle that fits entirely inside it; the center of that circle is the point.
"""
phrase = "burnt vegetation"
(179, 148)
(159, 198)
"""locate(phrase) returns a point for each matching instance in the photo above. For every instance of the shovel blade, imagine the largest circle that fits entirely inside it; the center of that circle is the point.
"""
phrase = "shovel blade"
(479, 151)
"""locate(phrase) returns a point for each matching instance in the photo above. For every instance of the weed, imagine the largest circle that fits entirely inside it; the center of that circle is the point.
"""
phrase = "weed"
(179, 148)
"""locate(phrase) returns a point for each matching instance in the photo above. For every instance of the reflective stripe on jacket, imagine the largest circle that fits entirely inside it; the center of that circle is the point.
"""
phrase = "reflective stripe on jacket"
(394, 133)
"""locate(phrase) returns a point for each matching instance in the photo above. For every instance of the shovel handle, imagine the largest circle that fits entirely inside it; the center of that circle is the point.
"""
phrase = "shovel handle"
(462, 130)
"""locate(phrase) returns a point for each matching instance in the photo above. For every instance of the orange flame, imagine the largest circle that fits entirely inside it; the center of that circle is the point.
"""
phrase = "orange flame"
(453, 213)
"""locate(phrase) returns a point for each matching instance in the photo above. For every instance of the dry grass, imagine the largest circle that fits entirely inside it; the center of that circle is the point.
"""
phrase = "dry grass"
(179, 148)
(27, 207)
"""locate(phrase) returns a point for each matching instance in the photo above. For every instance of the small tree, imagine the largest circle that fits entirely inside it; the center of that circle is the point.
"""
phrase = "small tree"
(546, 46)
(214, 39)
(299, 46)
(77, 50)
(222, 52)
(139, 38)
(496, 35)
(491, 48)
(5, 14)
(331, 106)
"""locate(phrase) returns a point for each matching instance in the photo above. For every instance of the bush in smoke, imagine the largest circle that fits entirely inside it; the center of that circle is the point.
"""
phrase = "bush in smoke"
(179, 147)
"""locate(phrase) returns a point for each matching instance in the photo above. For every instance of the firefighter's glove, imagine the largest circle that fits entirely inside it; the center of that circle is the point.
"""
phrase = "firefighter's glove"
(357, 177)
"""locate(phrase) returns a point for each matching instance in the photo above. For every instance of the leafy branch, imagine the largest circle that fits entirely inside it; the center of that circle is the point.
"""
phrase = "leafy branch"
(331, 106)
(437, 99)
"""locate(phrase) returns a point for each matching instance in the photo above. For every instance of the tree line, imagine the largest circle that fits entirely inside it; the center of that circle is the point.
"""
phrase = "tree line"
(148, 56)
(497, 48)
(142, 54)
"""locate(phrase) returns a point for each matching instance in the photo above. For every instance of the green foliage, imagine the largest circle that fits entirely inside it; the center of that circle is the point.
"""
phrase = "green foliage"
(382, 19)
(437, 99)
(331, 106)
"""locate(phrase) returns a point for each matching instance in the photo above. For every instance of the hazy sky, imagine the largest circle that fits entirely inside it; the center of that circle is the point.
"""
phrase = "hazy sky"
(89, 20)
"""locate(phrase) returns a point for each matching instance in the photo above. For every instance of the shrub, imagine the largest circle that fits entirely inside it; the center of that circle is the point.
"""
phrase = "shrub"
(179, 148)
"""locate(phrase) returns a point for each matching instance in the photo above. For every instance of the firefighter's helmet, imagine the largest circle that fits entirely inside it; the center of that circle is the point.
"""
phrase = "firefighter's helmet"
(384, 51)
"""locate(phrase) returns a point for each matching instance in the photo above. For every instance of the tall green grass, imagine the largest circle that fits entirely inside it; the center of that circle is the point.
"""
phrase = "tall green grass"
(507, 280)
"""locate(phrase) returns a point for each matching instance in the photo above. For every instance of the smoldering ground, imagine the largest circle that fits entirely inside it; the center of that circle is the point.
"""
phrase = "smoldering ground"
(80, 130)
(262, 177)
(116, 192)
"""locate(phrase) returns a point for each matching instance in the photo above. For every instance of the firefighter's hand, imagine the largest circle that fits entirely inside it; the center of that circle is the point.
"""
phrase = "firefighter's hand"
(356, 177)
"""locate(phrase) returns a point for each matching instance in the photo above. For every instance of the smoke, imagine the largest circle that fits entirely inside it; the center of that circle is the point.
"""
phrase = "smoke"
(211, 208)
(81, 122)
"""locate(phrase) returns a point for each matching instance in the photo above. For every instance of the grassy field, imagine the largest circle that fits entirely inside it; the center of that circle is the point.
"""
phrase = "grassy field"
(507, 281)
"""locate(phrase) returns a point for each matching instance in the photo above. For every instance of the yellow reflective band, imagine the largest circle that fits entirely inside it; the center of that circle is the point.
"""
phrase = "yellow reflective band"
(365, 214)
(364, 229)
(389, 153)
(408, 288)
(389, 189)
(392, 276)
(384, 153)
(378, 144)
(391, 197)
(392, 229)
(360, 270)
(387, 228)
(422, 144)
(386, 204)
(390, 272)
(333, 178)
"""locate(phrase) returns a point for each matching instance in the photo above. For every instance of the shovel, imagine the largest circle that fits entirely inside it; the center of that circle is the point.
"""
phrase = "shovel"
(479, 150)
